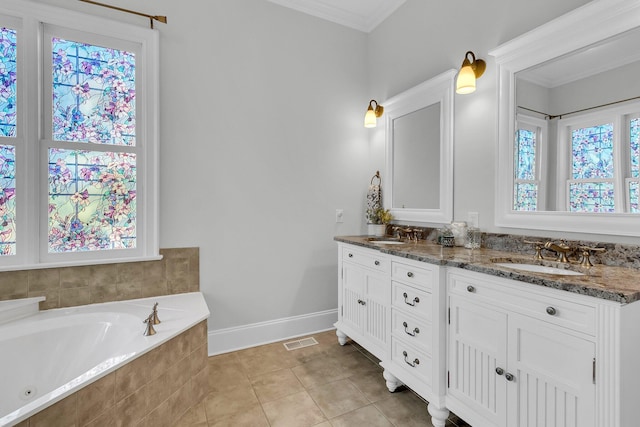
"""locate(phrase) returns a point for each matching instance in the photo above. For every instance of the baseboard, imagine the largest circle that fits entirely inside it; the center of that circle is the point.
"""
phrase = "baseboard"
(240, 337)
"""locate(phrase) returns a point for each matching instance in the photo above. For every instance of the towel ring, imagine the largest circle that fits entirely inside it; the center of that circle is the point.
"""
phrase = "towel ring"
(377, 175)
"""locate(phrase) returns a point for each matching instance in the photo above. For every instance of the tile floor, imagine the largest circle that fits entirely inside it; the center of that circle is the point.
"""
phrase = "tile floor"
(323, 385)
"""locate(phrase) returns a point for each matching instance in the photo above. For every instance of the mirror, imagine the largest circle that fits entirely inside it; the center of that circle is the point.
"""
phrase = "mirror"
(566, 117)
(419, 152)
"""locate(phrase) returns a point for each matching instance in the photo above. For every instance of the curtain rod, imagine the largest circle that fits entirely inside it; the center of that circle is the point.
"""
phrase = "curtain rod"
(152, 18)
(550, 116)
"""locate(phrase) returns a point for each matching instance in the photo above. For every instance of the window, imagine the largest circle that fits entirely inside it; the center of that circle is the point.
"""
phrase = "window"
(78, 138)
(602, 172)
(529, 180)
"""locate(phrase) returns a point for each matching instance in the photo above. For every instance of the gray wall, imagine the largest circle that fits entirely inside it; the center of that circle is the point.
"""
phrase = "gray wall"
(262, 136)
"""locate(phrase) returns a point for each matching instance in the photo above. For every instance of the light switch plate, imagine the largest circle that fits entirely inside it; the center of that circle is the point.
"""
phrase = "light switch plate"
(339, 215)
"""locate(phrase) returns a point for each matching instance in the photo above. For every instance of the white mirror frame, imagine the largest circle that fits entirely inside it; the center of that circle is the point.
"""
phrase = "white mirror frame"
(582, 27)
(437, 89)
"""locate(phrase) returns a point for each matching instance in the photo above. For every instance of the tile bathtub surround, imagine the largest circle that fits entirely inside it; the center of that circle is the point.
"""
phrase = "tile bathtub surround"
(322, 385)
(178, 271)
(156, 389)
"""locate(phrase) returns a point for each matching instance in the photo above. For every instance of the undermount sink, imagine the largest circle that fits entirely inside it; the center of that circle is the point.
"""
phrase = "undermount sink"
(385, 241)
(536, 268)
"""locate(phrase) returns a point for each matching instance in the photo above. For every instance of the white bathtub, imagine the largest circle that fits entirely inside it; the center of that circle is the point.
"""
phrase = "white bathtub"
(47, 355)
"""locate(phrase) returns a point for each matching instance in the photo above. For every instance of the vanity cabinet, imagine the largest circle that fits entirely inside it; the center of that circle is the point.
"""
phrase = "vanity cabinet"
(517, 357)
(365, 299)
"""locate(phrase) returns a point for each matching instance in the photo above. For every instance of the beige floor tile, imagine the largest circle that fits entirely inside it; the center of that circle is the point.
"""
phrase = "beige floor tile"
(253, 416)
(319, 371)
(276, 384)
(368, 416)
(233, 401)
(405, 409)
(338, 398)
(225, 371)
(372, 385)
(296, 410)
(355, 363)
(195, 417)
(268, 358)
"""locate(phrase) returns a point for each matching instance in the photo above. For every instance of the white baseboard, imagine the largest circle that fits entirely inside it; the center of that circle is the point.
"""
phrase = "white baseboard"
(240, 337)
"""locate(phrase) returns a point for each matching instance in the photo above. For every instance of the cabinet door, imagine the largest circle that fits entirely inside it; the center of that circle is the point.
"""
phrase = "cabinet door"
(353, 279)
(552, 383)
(477, 347)
(377, 302)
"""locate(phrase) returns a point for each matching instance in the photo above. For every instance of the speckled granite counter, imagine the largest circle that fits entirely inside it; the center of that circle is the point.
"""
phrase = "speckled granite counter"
(620, 284)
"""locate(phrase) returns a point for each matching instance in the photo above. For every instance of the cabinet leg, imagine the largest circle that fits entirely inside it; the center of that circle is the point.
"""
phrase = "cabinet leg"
(438, 415)
(342, 337)
(392, 382)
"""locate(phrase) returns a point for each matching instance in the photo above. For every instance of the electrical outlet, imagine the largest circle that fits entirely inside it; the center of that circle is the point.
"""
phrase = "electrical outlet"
(339, 215)
(472, 219)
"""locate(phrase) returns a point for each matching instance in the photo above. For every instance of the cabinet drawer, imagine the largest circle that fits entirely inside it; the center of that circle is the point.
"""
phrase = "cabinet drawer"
(370, 259)
(416, 276)
(411, 300)
(412, 330)
(544, 304)
(414, 362)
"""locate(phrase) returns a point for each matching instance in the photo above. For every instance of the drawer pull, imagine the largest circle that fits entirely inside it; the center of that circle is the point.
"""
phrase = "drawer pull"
(412, 364)
(361, 302)
(499, 371)
(350, 255)
(471, 289)
(509, 376)
(415, 330)
(409, 274)
(377, 262)
(551, 311)
(415, 300)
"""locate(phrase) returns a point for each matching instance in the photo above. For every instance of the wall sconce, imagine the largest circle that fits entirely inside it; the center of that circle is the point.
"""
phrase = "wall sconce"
(370, 118)
(469, 72)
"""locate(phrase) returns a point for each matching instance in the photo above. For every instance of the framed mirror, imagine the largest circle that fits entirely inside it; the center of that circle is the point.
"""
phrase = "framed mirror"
(569, 123)
(419, 152)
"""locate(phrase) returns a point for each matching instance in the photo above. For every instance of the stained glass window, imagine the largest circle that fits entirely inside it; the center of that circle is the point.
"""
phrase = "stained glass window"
(93, 94)
(92, 200)
(526, 154)
(8, 56)
(526, 197)
(592, 152)
(591, 197)
(525, 188)
(7, 200)
(634, 133)
(634, 196)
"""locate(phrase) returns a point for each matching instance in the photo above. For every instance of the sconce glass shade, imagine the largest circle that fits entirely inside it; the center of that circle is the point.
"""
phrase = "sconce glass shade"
(371, 116)
(470, 70)
(466, 82)
(370, 120)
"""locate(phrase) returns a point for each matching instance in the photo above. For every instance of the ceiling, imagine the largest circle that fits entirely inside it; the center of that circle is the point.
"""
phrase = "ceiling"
(363, 15)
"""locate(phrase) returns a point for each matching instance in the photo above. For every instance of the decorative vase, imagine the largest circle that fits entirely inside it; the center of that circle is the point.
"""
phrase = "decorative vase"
(377, 230)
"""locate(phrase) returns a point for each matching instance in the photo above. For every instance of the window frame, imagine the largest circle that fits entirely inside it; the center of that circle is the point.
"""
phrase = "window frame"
(33, 132)
(541, 129)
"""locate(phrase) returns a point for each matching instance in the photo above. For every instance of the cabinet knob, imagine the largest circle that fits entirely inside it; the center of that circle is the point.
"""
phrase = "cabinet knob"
(551, 311)
(412, 364)
(499, 371)
(415, 300)
(471, 289)
(350, 255)
(409, 274)
(377, 262)
(415, 330)
(361, 302)
(509, 376)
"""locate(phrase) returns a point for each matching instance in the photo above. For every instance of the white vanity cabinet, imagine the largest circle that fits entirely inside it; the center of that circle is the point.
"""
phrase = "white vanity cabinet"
(365, 299)
(519, 356)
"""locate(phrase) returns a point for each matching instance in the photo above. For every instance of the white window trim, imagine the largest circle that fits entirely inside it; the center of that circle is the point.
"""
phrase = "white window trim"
(31, 18)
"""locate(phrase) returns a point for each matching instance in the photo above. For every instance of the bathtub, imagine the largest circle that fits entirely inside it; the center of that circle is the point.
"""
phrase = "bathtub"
(48, 355)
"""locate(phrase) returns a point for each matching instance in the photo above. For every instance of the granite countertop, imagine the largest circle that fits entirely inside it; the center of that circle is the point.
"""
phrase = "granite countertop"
(620, 284)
